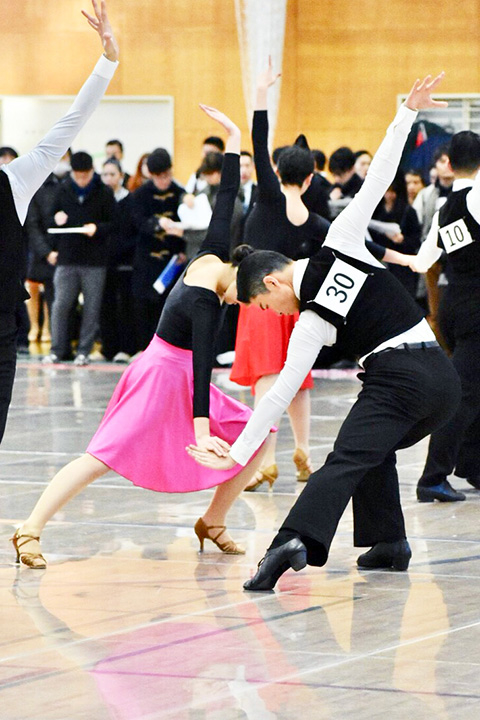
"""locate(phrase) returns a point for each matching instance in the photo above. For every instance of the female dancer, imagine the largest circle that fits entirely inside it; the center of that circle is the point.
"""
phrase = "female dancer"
(279, 221)
(164, 400)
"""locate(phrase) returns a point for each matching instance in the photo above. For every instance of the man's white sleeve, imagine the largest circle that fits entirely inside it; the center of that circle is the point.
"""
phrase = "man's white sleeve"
(309, 335)
(29, 171)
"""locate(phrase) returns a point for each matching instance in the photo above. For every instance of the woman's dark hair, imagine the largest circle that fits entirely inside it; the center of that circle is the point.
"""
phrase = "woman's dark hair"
(113, 161)
(253, 269)
(319, 158)
(302, 142)
(240, 253)
(399, 186)
(295, 164)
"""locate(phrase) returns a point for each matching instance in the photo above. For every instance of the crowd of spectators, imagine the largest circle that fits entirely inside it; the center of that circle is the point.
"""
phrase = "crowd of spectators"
(98, 239)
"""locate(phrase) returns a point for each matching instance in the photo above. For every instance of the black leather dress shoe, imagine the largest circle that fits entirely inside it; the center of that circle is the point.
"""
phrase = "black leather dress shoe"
(292, 554)
(474, 481)
(443, 492)
(383, 555)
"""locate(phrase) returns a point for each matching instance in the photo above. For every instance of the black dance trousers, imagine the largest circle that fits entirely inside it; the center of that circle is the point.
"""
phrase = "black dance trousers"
(406, 394)
(456, 445)
(8, 359)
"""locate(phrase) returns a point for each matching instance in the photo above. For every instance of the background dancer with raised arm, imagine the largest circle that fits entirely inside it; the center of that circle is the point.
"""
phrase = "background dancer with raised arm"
(19, 181)
(410, 387)
(164, 399)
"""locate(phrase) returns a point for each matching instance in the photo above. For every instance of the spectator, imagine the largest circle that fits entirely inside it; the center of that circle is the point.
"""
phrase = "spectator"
(7, 154)
(196, 182)
(117, 329)
(141, 175)
(154, 207)
(346, 181)
(81, 201)
(415, 183)
(42, 252)
(114, 148)
(362, 163)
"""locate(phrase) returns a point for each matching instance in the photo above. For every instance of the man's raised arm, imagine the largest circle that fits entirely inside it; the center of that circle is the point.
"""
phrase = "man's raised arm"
(28, 172)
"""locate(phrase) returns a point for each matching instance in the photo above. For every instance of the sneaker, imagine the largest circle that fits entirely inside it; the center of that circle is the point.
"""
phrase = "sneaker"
(81, 360)
(121, 357)
(51, 359)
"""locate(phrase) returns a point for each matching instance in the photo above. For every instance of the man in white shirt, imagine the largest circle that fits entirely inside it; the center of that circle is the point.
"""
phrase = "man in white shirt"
(347, 298)
(20, 179)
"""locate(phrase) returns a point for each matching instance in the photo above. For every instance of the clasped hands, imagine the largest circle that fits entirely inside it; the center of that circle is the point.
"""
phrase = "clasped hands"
(211, 452)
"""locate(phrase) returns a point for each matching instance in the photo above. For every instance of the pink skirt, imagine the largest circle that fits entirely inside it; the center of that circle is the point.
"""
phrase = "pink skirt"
(149, 421)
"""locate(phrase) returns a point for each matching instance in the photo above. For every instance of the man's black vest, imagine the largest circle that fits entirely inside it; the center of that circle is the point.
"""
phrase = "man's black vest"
(459, 229)
(12, 250)
(382, 309)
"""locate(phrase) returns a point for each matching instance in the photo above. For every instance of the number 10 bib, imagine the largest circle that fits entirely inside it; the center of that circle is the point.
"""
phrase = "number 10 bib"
(340, 288)
(454, 236)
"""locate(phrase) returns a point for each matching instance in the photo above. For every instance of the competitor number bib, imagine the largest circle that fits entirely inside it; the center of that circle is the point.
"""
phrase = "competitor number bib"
(456, 235)
(340, 288)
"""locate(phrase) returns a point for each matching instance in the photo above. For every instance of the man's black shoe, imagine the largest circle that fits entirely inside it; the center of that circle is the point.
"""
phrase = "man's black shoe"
(443, 492)
(293, 554)
(383, 555)
(474, 481)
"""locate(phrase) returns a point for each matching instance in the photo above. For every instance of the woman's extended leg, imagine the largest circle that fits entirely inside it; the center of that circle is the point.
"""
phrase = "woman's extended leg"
(67, 483)
(227, 493)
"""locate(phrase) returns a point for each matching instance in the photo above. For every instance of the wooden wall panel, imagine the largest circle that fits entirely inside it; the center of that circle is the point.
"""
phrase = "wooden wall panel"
(345, 61)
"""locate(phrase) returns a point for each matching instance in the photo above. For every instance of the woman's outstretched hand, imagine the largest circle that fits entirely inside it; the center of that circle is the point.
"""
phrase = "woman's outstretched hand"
(210, 459)
(268, 77)
(101, 24)
(221, 119)
(420, 96)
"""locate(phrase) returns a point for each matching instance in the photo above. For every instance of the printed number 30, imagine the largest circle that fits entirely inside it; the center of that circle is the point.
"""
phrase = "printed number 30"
(342, 281)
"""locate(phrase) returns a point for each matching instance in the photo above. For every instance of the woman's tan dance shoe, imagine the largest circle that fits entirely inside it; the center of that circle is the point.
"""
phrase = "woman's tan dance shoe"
(36, 561)
(202, 531)
(304, 465)
(268, 474)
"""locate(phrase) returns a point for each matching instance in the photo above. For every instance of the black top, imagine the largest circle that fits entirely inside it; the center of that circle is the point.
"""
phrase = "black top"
(268, 227)
(96, 205)
(191, 316)
(463, 264)
(154, 247)
(12, 250)
(382, 310)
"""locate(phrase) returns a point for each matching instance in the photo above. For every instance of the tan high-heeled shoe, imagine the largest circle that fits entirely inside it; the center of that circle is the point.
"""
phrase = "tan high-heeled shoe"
(36, 561)
(268, 474)
(202, 531)
(303, 464)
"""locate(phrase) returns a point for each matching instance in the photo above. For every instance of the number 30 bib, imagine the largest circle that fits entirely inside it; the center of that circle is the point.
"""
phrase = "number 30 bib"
(454, 236)
(340, 288)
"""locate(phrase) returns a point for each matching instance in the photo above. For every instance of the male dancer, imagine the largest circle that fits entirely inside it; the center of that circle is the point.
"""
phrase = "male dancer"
(20, 179)
(409, 389)
(456, 230)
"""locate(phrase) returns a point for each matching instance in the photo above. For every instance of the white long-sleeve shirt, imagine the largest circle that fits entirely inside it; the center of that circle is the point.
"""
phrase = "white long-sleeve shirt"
(429, 251)
(29, 171)
(311, 332)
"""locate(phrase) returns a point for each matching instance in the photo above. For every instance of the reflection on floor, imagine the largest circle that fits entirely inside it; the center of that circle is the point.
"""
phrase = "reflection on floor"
(130, 622)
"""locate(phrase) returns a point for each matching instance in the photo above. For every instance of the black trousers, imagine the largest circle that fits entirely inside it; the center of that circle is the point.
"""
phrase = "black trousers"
(8, 360)
(117, 326)
(406, 394)
(458, 442)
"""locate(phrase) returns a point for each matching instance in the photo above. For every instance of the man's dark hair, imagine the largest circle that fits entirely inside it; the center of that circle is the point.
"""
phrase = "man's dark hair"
(159, 161)
(212, 162)
(115, 142)
(341, 161)
(295, 164)
(247, 153)
(215, 141)
(440, 152)
(81, 161)
(277, 152)
(253, 269)
(319, 158)
(7, 150)
(464, 151)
